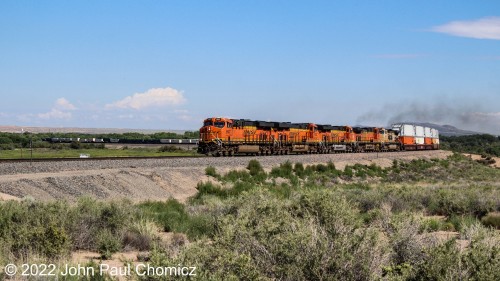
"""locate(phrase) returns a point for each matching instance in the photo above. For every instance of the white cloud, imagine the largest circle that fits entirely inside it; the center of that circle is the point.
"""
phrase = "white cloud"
(59, 110)
(158, 97)
(64, 104)
(55, 114)
(24, 117)
(484, 28)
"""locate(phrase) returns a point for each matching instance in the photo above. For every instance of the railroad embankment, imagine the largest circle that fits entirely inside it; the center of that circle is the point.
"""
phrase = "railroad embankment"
(153, 179)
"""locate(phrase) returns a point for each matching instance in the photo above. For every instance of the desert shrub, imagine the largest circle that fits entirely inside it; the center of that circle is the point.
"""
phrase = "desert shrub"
(441, 263)
(432, 225)
(460, 201)
(461, 222)
(74, 145)
(33, 228)
(254, 167)
(481, 259)
(210, 188)
(210, 171)
(170, 215)
(331, 166)
(285, 170)
(448, 226)
(240, 187)
(320, 168)
(407, 245)
(348, 172)
(267, 237)
(298, 169)
(492, 219)
(141, 235)
(169, 148)
(199, 226)
(311, 235)
(107, 244)
(173, 217)
(238, 175)
(89, 217)
(54, 241)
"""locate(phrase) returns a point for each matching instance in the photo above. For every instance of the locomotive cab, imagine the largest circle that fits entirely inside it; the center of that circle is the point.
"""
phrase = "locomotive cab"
(216, 129)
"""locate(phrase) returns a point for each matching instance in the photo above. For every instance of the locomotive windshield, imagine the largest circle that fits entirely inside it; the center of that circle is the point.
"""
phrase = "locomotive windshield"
(208, 123)
(219, 124)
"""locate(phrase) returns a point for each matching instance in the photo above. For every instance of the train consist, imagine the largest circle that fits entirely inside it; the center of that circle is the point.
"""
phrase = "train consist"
(123, 141)
(226, 137)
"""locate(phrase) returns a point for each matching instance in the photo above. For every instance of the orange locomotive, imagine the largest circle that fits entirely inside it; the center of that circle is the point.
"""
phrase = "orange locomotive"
(226, 137)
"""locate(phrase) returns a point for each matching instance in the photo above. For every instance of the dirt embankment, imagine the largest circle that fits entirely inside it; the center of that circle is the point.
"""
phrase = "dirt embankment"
(476, 157)
(140, 180)
(136, 184)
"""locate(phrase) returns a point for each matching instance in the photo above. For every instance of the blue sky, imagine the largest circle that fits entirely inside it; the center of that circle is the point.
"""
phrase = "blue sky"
(170, 64)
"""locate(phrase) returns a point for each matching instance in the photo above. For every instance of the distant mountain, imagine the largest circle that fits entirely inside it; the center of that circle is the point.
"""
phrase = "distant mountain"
(447, 130)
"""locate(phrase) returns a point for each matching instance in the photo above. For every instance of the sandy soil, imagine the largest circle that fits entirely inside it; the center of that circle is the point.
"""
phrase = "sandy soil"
(478, 157)
(4, 196)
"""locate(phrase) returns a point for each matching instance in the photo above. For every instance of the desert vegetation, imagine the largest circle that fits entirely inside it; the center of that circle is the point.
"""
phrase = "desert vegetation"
(478, 144)
(415, 220)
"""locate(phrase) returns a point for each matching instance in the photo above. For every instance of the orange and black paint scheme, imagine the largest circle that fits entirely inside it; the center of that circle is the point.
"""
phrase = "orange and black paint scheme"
(226, 137)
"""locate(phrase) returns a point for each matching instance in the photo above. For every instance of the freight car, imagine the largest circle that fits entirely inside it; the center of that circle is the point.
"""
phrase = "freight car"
(226, 137)
(122, 141)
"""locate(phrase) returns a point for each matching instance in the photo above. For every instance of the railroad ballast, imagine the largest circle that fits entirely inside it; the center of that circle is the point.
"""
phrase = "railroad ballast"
(225, 137)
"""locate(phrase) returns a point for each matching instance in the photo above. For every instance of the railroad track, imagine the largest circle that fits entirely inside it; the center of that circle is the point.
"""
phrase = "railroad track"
(17, 160)
(95, 159)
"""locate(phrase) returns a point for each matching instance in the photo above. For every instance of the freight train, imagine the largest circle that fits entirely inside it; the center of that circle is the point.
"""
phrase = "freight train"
(227, 137)
(121, 141)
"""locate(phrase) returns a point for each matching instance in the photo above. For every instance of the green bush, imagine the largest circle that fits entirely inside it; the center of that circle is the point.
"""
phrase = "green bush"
(238, 175)
(141, 234)
(460, 222)
(210, 171)
(254, 167)
(173, 217)
(169, 148)
(107, 244)
(285, 170)
(33, 228)
(441, 263)
(492, 219)
(170, 214)
(89, 217)
(298, 169)
(209, 188)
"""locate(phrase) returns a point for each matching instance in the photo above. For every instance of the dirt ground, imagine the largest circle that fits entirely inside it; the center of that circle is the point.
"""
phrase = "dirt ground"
(478, 157)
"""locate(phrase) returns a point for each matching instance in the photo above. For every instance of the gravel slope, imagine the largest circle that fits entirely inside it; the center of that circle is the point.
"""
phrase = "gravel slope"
(152, 179)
